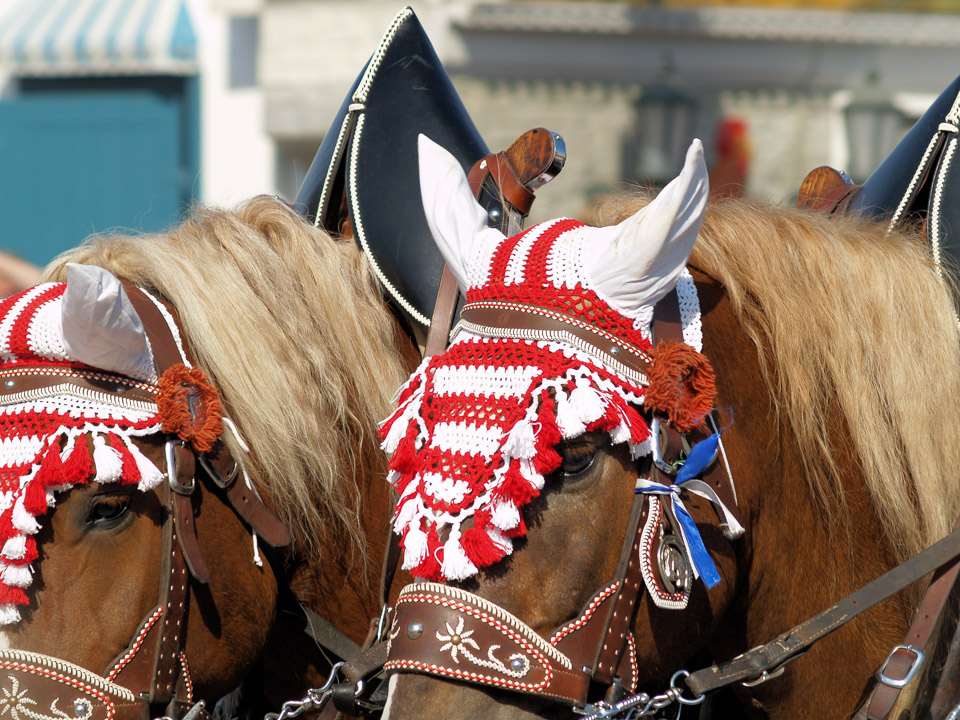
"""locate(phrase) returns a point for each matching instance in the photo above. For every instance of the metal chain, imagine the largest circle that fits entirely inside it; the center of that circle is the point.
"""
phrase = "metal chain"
(650, 704)
(315, 699)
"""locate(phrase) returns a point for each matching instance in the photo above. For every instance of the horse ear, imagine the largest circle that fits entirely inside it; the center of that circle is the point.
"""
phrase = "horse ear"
(650, 249)
(101, 328)
(457, 221)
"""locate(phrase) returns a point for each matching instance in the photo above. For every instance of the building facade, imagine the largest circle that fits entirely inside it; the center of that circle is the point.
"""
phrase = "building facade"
(123, 112)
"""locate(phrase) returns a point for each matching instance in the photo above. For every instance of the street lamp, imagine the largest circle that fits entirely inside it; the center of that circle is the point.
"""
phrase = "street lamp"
(665, 119)
(874, 127)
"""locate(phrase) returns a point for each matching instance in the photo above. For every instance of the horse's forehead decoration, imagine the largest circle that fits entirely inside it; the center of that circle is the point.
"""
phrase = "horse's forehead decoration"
(77, 385)
(553, 342)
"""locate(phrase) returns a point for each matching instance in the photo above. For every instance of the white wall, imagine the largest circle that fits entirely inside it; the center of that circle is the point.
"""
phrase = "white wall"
(236, 153)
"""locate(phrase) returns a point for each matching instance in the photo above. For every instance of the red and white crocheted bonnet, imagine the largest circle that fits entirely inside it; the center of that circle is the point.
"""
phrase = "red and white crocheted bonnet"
(59, 344)
(476, 429)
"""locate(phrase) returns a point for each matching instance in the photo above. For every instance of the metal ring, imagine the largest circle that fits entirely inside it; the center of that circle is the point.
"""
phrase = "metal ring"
(679, 674)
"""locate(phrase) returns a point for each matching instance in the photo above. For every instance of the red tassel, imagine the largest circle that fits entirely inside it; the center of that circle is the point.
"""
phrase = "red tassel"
(401, 485)
(404, 460)
(35, 497)
(78, 466)
(51, 469)
(130, 474)
(547, 458)
(12, 595)
(7, 530)
(429, 568)
(480, 547)
(515, 487)
(29, 555)
(519, 531)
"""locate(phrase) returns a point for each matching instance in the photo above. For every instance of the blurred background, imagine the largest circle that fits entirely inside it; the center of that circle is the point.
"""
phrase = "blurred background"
(121, 113)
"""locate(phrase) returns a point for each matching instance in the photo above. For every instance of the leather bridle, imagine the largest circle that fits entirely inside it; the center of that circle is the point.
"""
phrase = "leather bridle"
(435, 623)
(151, 677)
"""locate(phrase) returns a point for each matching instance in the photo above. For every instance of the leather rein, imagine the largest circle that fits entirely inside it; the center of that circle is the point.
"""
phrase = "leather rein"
(151, 677)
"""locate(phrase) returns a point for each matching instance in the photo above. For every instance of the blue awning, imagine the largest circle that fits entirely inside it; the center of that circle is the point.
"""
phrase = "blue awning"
(97, 37)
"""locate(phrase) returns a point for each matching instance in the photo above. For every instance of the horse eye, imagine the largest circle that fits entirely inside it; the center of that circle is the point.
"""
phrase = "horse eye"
(108, 509)
(577, 457)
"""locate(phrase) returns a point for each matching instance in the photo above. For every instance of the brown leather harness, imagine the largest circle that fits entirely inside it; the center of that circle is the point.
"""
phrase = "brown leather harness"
(151, 677)
(597, 647)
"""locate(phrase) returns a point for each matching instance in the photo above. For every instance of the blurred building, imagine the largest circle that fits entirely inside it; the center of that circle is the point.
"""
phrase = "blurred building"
(120, 112)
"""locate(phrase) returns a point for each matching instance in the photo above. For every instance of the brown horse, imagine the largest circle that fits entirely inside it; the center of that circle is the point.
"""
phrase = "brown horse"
(837, 390)
(289, 325)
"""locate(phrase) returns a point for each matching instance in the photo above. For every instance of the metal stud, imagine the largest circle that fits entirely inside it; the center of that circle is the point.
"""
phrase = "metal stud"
(455, 639)
(494, 214)
(517, 664)
(414, 629)
(614, 350)
(8, 384)
(80, 708)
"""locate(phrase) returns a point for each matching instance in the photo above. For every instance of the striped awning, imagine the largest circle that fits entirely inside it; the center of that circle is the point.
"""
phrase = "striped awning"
(96, 37)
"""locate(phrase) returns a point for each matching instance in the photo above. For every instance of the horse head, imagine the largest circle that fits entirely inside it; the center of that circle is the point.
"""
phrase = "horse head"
(592, 500)
(169, 454)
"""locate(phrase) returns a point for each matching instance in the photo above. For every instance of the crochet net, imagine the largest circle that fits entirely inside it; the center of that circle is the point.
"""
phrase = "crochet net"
(56, 437)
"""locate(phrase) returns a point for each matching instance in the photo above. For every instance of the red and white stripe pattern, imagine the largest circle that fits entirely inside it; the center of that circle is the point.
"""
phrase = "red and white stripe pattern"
(476, 430)
(58, 436)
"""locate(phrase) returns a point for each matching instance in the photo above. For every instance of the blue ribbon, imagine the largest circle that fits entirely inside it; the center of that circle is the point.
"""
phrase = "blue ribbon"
(696, 462)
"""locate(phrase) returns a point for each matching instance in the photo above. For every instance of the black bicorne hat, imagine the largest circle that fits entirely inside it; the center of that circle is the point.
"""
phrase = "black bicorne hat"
(921, 177)
(370, 156)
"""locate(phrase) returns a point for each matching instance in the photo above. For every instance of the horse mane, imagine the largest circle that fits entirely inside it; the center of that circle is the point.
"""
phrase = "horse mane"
(292, 329)
(846, 315)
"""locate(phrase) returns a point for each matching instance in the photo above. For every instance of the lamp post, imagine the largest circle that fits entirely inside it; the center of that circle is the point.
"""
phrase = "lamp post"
(665, 119)
(874, 126)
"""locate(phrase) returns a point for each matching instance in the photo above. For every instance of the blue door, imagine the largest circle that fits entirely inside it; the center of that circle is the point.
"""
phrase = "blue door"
(74, 161)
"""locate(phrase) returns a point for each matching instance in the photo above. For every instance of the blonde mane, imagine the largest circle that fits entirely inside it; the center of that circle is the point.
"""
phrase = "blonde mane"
(847, 316)
(291, 327)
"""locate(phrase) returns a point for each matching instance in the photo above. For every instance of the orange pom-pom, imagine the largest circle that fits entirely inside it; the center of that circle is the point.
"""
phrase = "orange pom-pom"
(682, 385)
(190, 407)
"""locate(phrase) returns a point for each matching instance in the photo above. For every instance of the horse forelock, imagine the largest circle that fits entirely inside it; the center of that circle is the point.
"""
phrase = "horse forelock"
(291, 328)
(853, 318)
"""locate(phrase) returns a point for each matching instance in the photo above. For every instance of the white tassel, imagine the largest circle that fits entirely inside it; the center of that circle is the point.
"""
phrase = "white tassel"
(397, 430)
(504, 543)
(150, 475)
(456, 564)
(9, 614)
(620, 434)
(106, 460)
(530, 474)
(586, 402)
(521, 441)
(504, 515)
(407, 513)
(257, 560)
(17, 575)
(642, 449)
(22, 520)
(414, 547)
(15, 548)
(568, 420)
